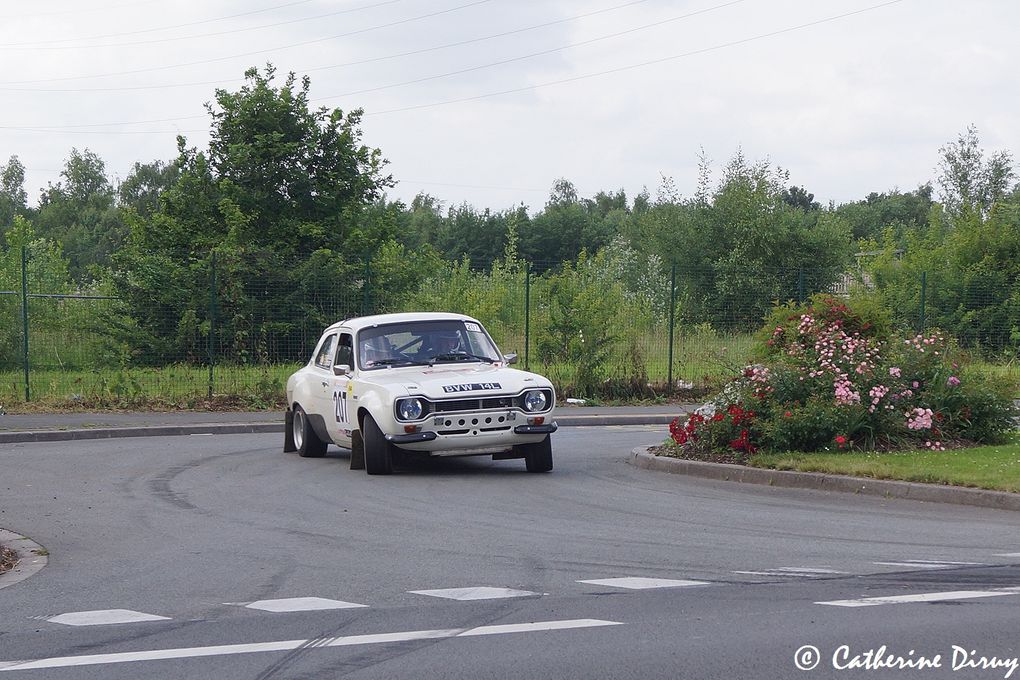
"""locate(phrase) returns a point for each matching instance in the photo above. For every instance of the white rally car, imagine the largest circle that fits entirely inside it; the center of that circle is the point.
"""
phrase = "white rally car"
(432, 384)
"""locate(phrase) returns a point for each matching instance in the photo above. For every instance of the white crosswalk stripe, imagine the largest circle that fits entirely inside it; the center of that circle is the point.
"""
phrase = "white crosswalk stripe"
(930, 564)
(301, 604)
(104, 617)
(290, 645)
(924, 597)
(477, 593)
(792, 572)
(640, 583)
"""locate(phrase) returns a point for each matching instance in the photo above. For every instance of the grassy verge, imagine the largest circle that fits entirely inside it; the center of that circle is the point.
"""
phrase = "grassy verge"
(984, 467)
(701, 362)
(170, 387)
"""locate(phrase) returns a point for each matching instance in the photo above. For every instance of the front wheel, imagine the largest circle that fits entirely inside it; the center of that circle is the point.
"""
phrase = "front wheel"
(378, 451)
(306, 442)
(538, 456)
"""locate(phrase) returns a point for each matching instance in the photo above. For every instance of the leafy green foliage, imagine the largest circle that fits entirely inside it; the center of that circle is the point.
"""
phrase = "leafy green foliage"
(243, 256)
(743, 246)
(833, 378)
(79, 214)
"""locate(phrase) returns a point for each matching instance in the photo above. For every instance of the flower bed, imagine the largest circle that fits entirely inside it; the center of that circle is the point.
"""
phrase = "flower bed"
(832, 378)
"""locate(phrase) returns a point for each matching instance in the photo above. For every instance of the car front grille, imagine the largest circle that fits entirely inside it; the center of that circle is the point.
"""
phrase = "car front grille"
(472, 404)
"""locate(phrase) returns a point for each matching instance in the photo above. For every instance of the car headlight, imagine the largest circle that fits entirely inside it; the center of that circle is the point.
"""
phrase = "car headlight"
(535, 400)
(409, 409)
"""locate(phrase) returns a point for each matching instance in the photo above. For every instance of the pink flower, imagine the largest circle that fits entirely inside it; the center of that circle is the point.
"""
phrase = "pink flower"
(953, 381)
(916, 384)
(895, 372)
(919, 419)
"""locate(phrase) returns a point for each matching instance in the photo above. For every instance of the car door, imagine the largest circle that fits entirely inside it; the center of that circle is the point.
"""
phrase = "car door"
(320, 384)
(341, 388)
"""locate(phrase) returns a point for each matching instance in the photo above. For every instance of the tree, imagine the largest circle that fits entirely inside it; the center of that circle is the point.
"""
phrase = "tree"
(900, 211)
(296, 175)
(969, 182)
(799, 197)
(145, 184)
(290, 204)
(742, 246)
(13, 199)
(569, 225)
(78, 212)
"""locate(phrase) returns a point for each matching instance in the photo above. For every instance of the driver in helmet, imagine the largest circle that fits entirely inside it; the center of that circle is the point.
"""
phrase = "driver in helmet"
(446, 342)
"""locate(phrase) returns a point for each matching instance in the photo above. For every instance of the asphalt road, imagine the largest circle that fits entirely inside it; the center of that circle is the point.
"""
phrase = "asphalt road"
(222, 557)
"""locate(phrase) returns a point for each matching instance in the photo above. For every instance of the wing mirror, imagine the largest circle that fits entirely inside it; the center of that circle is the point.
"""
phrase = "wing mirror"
(510, 358)
(341, 369)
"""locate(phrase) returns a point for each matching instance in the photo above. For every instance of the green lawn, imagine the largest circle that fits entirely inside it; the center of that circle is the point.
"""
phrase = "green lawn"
(985, 467)
(175, 386)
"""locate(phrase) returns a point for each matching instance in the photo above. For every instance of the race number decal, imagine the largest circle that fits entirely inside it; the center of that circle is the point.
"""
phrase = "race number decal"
(340, 405)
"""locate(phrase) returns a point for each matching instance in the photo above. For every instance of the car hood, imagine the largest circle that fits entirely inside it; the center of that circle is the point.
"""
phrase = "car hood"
(447, 381)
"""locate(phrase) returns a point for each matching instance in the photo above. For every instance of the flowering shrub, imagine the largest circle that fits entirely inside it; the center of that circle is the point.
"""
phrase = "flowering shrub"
(835, 379)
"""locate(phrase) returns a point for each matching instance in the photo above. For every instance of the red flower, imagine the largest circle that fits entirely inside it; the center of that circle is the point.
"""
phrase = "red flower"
(841, 441)
(787, 414)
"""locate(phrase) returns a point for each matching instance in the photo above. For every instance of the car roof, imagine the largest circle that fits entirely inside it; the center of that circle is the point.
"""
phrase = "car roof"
(359, 322)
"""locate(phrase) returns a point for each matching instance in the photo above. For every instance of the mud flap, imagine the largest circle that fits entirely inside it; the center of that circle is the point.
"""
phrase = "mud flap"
(357, 451)
(288, 432)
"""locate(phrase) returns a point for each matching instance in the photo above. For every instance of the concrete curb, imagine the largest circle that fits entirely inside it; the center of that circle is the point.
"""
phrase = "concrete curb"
(932, 493)
(148, 431)
(31, 558)
(262, 428)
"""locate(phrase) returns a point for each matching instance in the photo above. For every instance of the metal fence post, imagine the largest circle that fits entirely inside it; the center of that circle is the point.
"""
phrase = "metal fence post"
(24, 318)
(368, 285)
(527, 313)
(800, 286)
(672, 326)
(212, 320)
(924, 293)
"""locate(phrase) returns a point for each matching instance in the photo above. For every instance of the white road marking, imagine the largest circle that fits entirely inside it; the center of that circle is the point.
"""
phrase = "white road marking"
(479, 593)
(289, 645)
(639, 583)
(792, 571)
(104, 617)
(1008, 555)
(301, 604)
(930, 564)
(923, 597)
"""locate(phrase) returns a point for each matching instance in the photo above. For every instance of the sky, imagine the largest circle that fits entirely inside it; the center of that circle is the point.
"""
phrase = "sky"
(490, 102)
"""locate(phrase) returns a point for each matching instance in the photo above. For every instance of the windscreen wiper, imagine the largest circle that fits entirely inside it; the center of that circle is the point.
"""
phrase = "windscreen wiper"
(401, 362)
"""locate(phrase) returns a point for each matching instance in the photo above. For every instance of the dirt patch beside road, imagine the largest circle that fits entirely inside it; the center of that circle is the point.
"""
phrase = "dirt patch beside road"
(8, 558)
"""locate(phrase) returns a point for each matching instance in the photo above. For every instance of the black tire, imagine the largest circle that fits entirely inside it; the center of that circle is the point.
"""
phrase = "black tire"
(288, 432)
(378, 451)
(306, 442)
(538, 457)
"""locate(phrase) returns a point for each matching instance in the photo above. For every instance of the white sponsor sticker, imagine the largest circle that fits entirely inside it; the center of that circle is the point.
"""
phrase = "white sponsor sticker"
(473, 327)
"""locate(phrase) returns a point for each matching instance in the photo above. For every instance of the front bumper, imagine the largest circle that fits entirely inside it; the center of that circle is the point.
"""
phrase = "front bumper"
(413, 438)
(536, 429)
(473, 433)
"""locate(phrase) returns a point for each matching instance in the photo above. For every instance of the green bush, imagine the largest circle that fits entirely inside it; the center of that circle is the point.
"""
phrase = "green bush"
(835, 377)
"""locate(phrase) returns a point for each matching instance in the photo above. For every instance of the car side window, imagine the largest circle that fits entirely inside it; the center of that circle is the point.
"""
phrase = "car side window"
(324, 357)
(345, 352)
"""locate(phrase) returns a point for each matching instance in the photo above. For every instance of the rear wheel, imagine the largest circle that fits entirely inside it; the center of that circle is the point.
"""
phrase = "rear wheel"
(538, 456)
(306, 442)
(378, 451)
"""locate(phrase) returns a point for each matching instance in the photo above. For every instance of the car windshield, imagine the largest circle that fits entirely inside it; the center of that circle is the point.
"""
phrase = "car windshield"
(425, 343)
